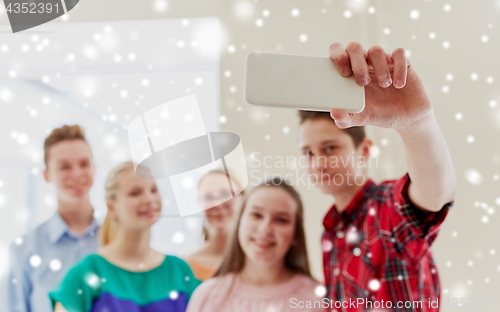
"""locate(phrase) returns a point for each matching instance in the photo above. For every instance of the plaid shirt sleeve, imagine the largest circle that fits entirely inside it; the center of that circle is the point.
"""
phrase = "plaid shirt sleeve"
(412, 223)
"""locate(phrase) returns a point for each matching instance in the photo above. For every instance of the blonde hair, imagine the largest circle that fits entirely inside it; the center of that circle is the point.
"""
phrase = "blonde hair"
(107, 231)
(74, 132)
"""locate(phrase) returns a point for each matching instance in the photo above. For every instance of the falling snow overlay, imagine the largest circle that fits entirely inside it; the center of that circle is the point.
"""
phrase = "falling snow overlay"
(105, 74)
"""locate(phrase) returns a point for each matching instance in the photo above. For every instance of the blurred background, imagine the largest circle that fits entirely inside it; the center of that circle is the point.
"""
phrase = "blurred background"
(106, 62)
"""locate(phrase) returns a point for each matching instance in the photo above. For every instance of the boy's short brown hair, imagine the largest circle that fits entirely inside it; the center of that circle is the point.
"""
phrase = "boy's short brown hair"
(356, 133)
(74, 132)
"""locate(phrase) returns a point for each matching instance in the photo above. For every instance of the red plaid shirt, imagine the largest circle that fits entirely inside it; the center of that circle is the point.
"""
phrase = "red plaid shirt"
(379, 248)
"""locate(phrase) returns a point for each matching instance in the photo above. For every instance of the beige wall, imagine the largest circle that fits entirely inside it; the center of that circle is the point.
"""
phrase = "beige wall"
(462, 27)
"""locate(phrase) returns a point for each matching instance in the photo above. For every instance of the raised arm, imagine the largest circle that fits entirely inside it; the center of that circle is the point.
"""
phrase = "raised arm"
(430, 168)
(396, 98)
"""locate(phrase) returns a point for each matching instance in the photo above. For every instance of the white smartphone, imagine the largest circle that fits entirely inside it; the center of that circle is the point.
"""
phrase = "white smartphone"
(299, 82)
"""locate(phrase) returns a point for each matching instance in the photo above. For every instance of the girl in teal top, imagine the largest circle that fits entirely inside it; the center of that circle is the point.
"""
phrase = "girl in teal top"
(126, 274)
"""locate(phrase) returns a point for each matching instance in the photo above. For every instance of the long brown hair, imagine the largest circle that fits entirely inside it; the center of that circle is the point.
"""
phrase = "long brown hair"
(295, 259)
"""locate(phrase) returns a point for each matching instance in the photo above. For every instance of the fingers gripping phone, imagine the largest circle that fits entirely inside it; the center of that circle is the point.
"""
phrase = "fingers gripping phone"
(299, 82)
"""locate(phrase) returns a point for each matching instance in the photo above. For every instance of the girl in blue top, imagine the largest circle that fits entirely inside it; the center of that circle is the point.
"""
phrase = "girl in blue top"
(126, 274)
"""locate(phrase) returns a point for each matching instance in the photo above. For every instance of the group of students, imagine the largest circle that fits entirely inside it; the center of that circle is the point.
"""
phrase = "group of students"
(376, 244)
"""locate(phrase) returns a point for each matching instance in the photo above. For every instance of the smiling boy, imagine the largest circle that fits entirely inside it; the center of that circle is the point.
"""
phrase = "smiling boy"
(39, 259)
(377, 239)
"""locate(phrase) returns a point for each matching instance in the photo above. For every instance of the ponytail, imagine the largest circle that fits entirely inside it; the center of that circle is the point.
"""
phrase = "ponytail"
(107, 231)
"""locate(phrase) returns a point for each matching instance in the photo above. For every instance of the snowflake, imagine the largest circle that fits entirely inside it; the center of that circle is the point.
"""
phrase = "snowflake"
(178, 238)
(160, 6)
(374, 151)
(327, 245)
(414, 14)
(22, 138)
(374, 284)
(55, 265)
(320, 291)
(174, 295)
(356, 251)
(35, 261)
(243, 9)
(473, 176)
(92, 280)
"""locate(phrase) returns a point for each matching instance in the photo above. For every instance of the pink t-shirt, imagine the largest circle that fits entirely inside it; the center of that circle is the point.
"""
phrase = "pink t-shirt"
(229, 293)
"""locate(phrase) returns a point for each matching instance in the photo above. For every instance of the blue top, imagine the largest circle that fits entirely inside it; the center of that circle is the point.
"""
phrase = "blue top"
(39, 260)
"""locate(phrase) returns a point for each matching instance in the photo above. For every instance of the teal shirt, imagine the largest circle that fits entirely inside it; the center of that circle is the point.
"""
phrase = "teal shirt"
(95, 284)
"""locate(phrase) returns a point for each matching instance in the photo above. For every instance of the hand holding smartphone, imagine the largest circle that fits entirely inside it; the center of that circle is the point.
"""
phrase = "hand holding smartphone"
(300, 82)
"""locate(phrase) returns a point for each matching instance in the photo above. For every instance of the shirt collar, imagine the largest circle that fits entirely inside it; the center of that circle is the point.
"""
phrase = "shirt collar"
(333, 218)
(57, 227)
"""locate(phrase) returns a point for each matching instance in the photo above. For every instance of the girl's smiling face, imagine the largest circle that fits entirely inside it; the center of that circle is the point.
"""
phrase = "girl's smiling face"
(267, 226)
(137, 204)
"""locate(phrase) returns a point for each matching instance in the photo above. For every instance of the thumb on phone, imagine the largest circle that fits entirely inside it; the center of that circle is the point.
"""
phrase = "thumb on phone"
(341, 117)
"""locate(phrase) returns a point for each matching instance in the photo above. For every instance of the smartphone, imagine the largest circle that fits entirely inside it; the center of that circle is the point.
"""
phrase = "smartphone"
(299, 82)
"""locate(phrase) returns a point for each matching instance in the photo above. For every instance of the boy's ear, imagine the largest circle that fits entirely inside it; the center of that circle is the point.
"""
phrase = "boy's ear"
(366, 145)
(46, 175)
